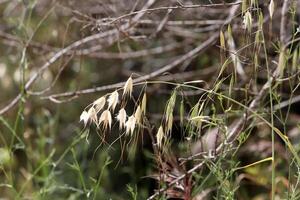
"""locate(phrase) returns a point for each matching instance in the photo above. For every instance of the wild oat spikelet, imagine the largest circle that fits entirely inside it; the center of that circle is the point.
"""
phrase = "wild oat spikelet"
(130, 124)
(92, 114)
(271, 8)
(144, 103)
(128, 87)
(159, 136)
(84, 117)
(222, 40)
(247, 21)
(99, 104)
(106, 119)
(138, 115)
(169, 111)
(113, 99)
(169, 123)
(121, 117)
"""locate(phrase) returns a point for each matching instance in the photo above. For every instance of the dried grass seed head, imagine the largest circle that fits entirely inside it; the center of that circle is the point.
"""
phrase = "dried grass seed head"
(99, 104)
(105, 119)
(247, 21)
(113, 100)
(169, 123)
(84, 117)
(128, 87)
(144, 103)
(130, 124)
(138, 115)
(271, 8)
(222, 40)
(121, 117)
(159, 136)
(92, 114)
(169, 111)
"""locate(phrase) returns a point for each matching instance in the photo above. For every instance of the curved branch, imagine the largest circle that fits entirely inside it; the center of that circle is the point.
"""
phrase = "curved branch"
(72, 47)
(156, 73)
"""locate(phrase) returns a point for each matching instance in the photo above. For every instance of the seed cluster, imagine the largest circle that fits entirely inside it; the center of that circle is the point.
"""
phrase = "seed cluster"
(97, 108)
(105, 107)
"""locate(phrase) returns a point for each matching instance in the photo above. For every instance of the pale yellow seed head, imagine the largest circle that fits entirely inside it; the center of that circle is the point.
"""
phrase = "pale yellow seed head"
(295, 59)
(138, 115)
(222, 40)
(121, 117)
(92, 114)
(159, 136)
(130, 124)
(99, 104)
(169, 123)
(128, 87)
(247, 21)
(144, 103)
(105, 119)
(281, 63)
(113, 100)
(84, 117)
(271, 8)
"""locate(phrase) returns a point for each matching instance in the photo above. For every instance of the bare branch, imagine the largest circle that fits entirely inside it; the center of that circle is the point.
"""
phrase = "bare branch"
(156, 73)
(72, 47)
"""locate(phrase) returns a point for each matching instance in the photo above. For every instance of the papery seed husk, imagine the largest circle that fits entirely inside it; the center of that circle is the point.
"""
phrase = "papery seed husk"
(99, 104)
(159, 136)
(138, 114)
(128, 87)
(121, 117)
(84, 117)
(169, 124)
(144, 103)
(130, 124)
(92, 114)
(222, 40)
(106, 118)
(113, 100)
(271, 8)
